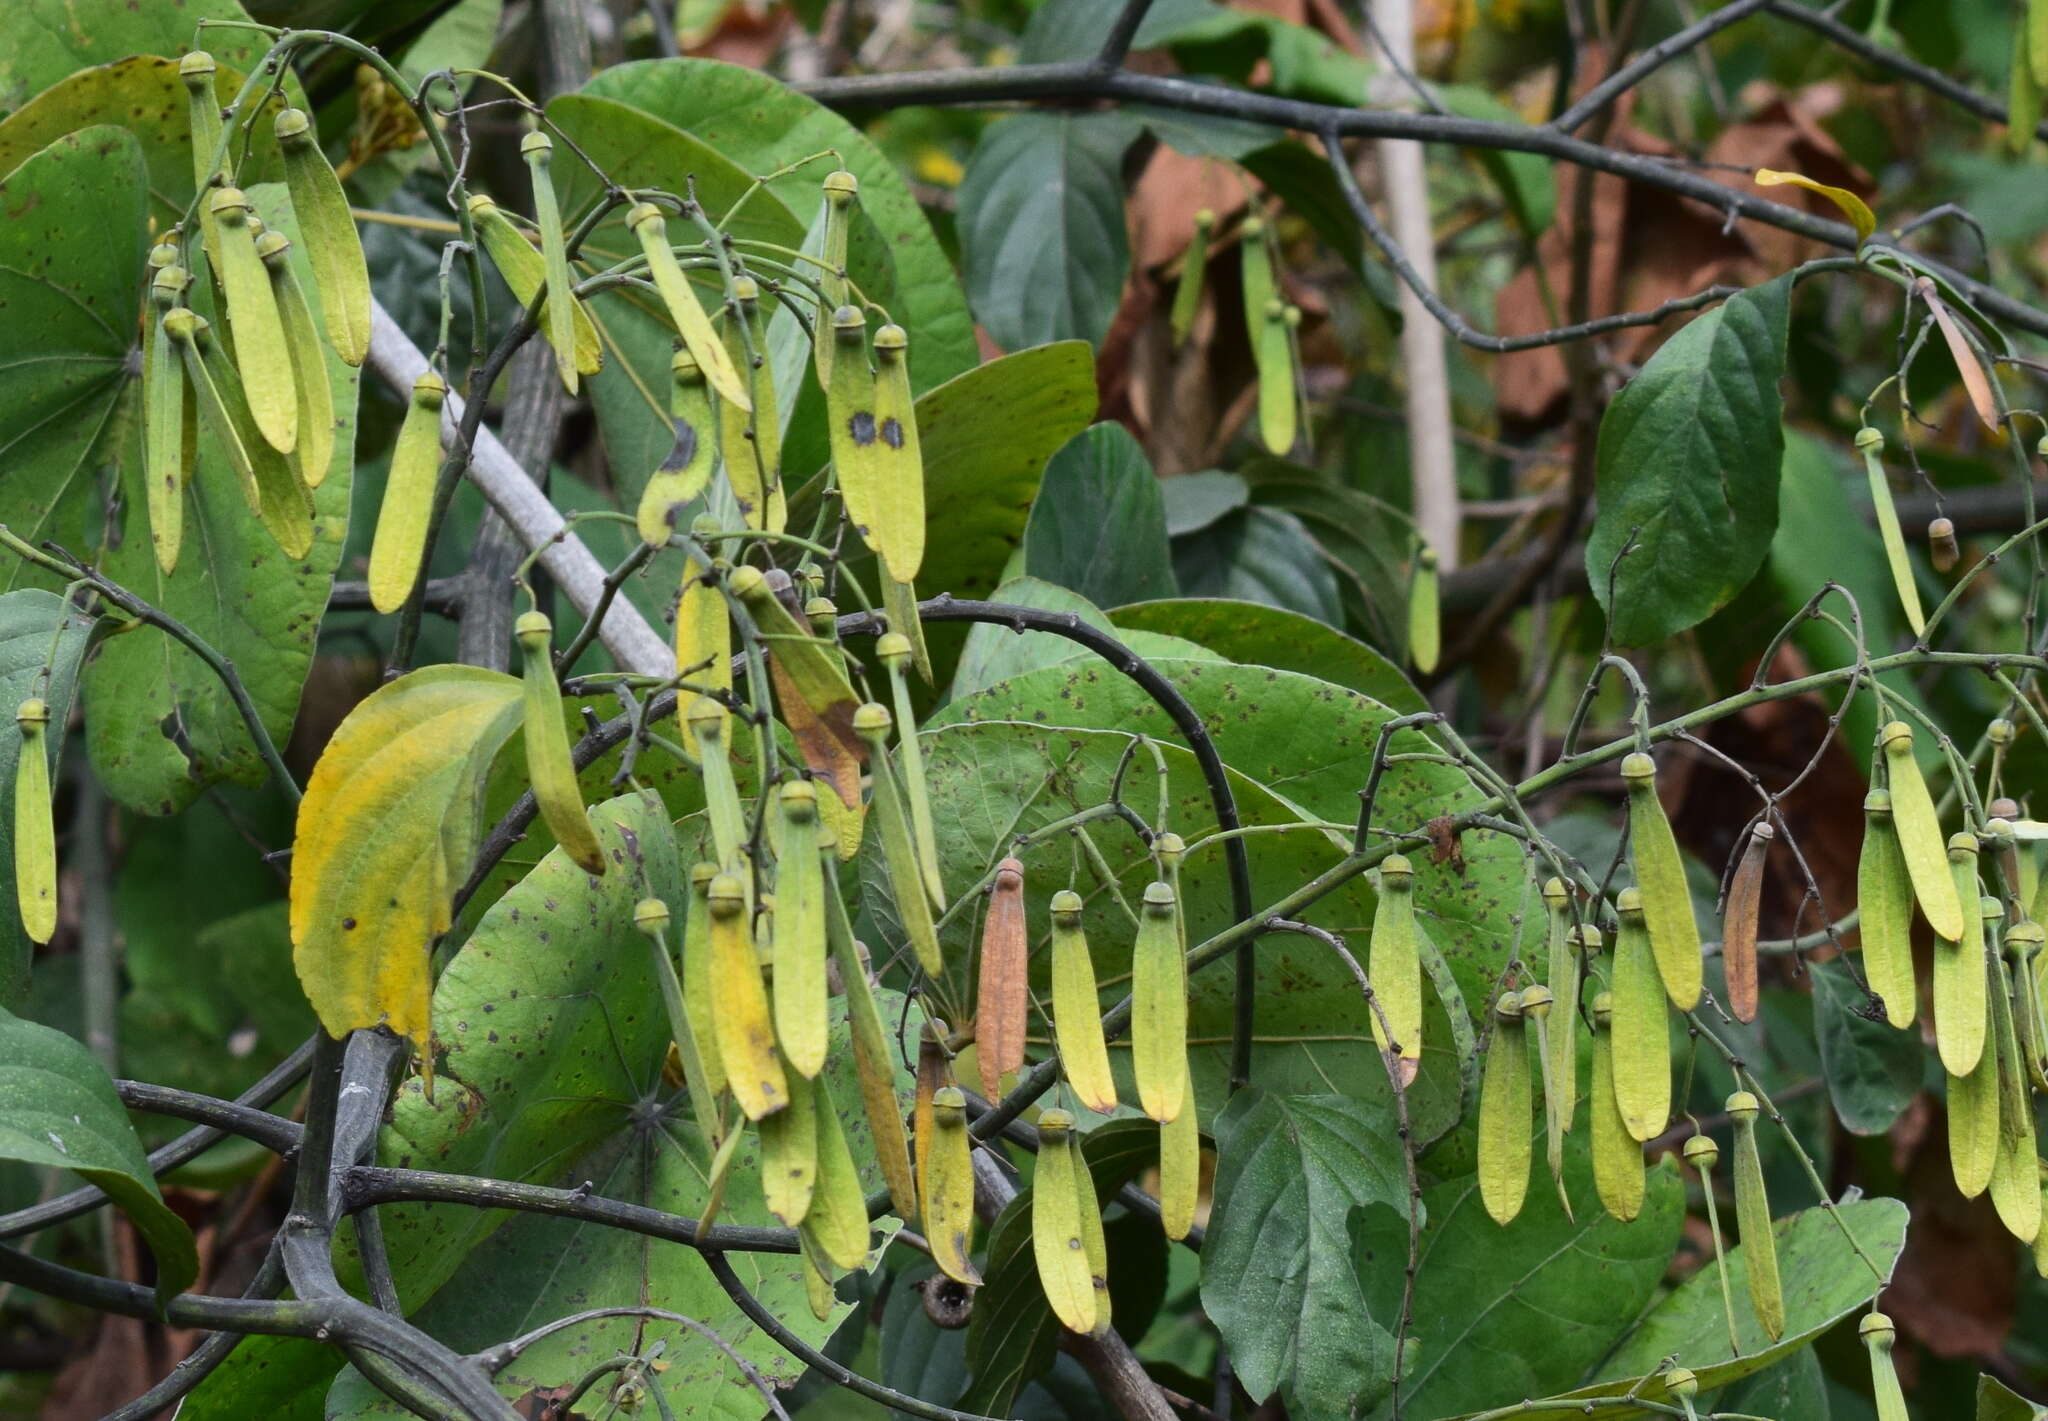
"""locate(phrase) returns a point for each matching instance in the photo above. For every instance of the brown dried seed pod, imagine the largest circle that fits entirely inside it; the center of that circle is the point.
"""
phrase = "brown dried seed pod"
(1738, 923)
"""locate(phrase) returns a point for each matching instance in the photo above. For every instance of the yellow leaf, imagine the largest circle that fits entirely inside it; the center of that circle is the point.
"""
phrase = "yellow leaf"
(385, 833)
(1853, 207)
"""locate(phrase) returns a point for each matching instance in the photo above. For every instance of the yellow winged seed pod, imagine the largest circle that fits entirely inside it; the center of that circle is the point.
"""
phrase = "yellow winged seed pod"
(548, 762)
(2023, 945)
(1640, 1041)
(1919, 831)
(1504, 1106)
(1076, 1007)
(699, 1001)
(1961, 999)
(1753, 1218)
(165, 425)
(1563, 952)
(279, 496)
(789, 1155)
(838, 1219)
(1187, 293)
(558, 315)
(2015, 1179)
(185, 330)
(949, 1188)
(703, 639)
(1180, 1168)
(1617, 1155)
(1660, 874)
(894, 651)
(1002, 995)
(934, 1072)
(800, 995)
(1871, 443)
(35, 833)
(525, 273)
(202, 108)
(651, 916)
(1159, 1006)
(1884, 895)
(315, 451)
(261, 353)
(687, 468)
(684, 309)
(1425, 632)
(722, 807)
(746, 1034)
(842, 193)
(873, 1064)
(1395, 965)
(399, 548)
(1536, 1017)
(1973, 1120)
(899, 847)
(750, 438)
(860, 460)
(1272, 352)
(332, 245)
(896, 530)
(1056, 1244)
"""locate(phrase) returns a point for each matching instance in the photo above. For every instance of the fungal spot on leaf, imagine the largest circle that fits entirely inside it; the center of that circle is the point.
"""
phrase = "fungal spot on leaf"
(892, 432)
(685, 451)
(348, 924)
(862, 427)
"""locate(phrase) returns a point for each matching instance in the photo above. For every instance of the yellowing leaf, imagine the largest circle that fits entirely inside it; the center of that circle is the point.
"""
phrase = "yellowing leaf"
(1853, 207)
(385, 832)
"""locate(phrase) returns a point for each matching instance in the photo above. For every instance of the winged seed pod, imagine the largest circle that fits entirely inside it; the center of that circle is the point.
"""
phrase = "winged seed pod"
(184, 328)
(703, 638)
(899, 849)
(899, 605)
(274, 489)
(1425, 634)
(1056, 1246)
(1094, 1247)
(1076, 1004)
(801, 1024)
(1872, 444)
(651, 916)
(722, 805)
(1159, 1006)
(1884, 894)
(949, 1188)
(894, 651)
(1961, 1000)
(684, 309)
(860, 460)
(1919, 831)
(333, 247)
(559, 315)
(896, 526)
(1877, 1333)
(1667, 902)
(1272, 348)
(2023, 944)
(1617, 1156)
(819, 1295)
(1504, 1105)
(1973, 1110)
(165, 424)
(202, 112)
(1738, 922)
(789, 1155)
(687, 468)
(1187, 295)
(1536, 1005)
(934, 1073)
(35, 831)
(526, 275)
(873, 1065)
(261, 354)
(1002, 1000)
(308, 361)
(1753, 1219)
(401, 539)
(746, 1035)
(1395, 966)
(546, 737)
(842, 195)
(1563, 976)
(1641, 1041)
(1180, 1168)
(699, 1001)
(2015, 1181)
(837, 1224)
(750, 436)
(1703, 1155)
(1942, 550)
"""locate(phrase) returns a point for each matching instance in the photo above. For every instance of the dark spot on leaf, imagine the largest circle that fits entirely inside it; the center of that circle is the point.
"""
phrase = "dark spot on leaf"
(348, 924)
(862, 427)
(892, 432)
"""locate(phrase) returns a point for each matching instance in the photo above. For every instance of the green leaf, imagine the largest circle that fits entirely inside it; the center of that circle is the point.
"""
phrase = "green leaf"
(1042, 224)
(1098, 525)
(1873, 1072)
(1507, 1313)
(279, 1378)
(1688, 470)
(1824, 1283)
(1524, 179)
(1258, 635)
(1278, 1278)
(554, 1035)
(1794, 1387)
(1305, 741)
(1076, 29)
(38, 630)
(1259, 555)
(161, 725)
(1367, 541)
(1199, 500)
(994, 653)
(1998, 1402)
(761, 124)
(58, 1109)
(42, 41)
